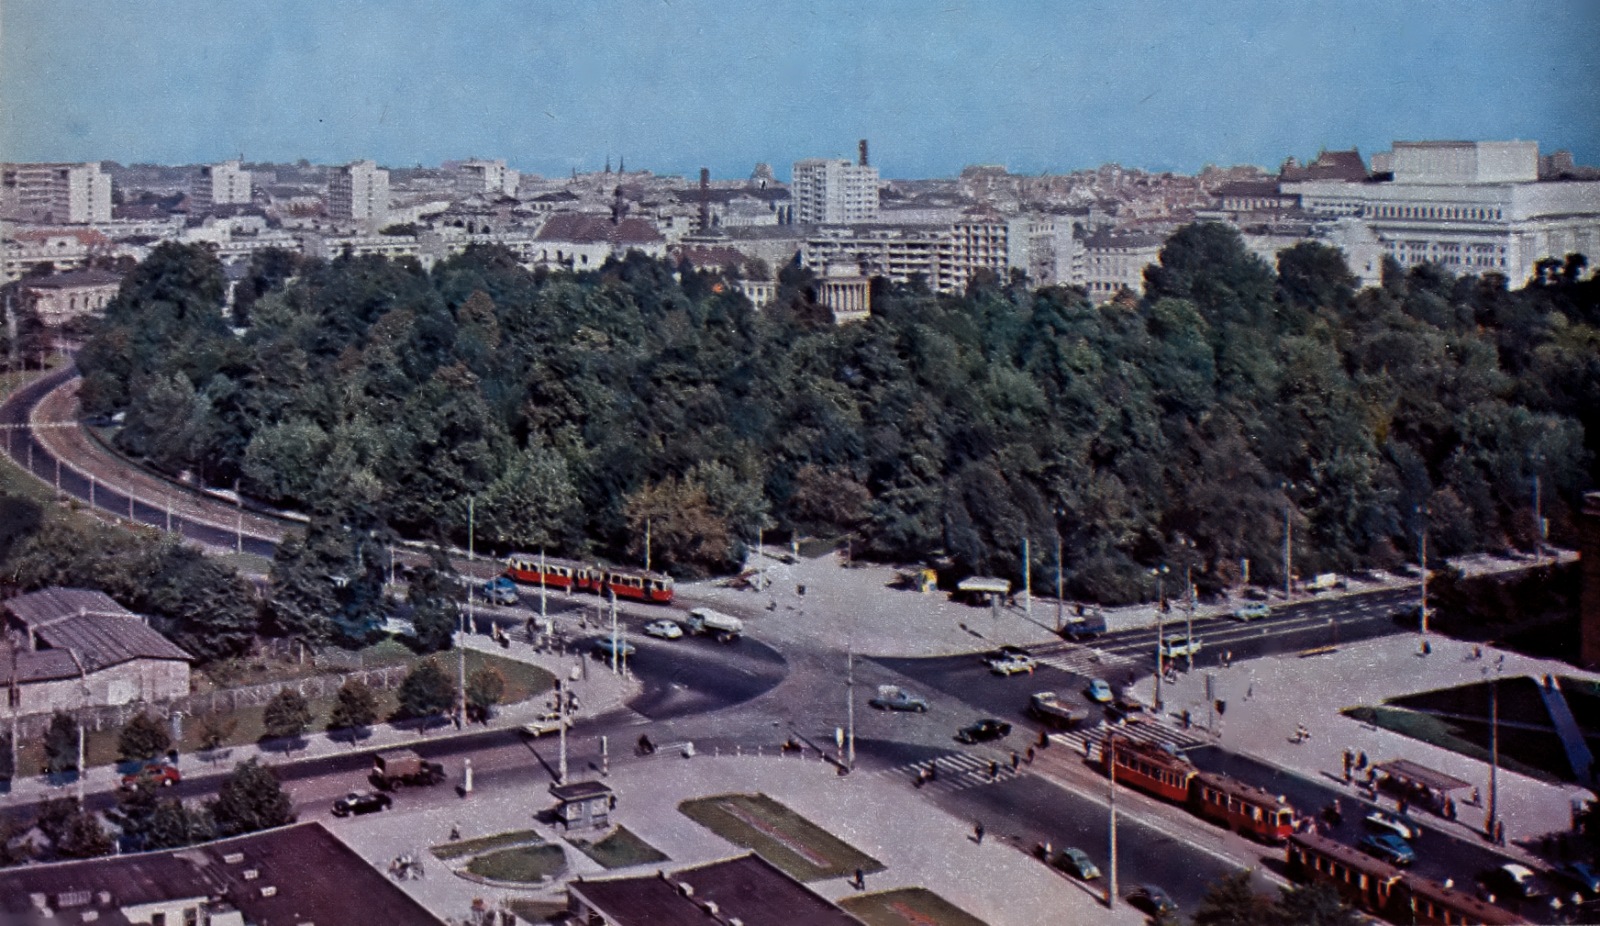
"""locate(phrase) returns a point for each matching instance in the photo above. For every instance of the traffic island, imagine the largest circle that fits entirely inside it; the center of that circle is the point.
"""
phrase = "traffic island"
(535, 864)
(803, 850)
(619, 849)
(910, 906)
(466, 847)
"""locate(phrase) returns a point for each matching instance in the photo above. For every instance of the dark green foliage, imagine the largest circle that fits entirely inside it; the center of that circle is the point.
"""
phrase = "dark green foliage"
(61, 744)
(354, 707)
(215, 730)
(147, 821)
(8, 758)
(1231, 901)
(485, 687)
(286, 715)
(143, 738)
(1315, 905)
(434, 594)
(249, 800)
(427, 691)
(577, 409)
(83, 836)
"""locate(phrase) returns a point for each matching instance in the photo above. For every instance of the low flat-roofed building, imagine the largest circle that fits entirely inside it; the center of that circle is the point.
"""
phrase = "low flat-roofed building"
(747, 889)
(293, 875)
(61, 297)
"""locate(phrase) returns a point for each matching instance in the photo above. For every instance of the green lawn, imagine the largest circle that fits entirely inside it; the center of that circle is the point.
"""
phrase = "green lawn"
(538, 911)
(1466, 738)
(465, 847)
(783, 837)
(525, 864)
(620, 849)
(910, 906)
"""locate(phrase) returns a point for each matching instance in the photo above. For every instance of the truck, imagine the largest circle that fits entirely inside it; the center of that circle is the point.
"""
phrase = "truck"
(1048, 708)
(726, 627)
(1085, 626)
(399, 767)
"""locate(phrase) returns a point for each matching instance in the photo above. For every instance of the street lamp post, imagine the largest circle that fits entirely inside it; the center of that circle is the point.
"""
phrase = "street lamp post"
(1159, 572)
(1422, 560)
(1288, 544)
(461, 647)
(1109, 753)
(1188, 590)
(1059, 602)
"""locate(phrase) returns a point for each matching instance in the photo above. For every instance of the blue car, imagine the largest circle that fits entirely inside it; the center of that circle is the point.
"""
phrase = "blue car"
(1100, 691)
(1389, 847)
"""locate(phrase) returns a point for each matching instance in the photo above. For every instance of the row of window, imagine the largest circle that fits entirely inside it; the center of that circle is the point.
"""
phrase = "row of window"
(1461, 213)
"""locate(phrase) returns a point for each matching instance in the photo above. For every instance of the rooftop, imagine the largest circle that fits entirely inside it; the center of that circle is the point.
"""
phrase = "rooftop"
(578, 228)
(747, 888)
(73, 279)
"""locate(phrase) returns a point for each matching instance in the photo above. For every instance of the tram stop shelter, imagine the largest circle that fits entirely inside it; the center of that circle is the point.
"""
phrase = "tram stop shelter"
(583, 803)
(1419, 781)
(983, 589)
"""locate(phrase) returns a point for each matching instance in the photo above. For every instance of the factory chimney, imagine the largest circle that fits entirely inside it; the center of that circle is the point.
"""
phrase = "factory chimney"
(863, 147)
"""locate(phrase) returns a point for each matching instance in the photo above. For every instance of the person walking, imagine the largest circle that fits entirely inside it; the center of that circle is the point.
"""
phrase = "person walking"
(977, 832)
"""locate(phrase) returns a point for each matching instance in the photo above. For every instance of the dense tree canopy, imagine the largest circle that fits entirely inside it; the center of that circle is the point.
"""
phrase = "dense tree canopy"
(580, 410)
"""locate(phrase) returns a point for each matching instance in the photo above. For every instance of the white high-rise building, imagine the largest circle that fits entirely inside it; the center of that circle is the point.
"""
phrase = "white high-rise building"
(491, 178)
(359, 191)
(220, 185)
(1473, 207)
(68, 194)
(830, 190)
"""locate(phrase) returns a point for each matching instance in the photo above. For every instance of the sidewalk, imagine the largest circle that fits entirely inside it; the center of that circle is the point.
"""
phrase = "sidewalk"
(1266, 698)
(919, 844)
(601, 691)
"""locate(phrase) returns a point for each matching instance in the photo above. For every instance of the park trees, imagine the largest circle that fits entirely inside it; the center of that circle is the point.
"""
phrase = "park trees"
(287, 715)
(250, 799)
(426, 691)
(61, 744)
(143, 738)
(354, 708)
(485, 689)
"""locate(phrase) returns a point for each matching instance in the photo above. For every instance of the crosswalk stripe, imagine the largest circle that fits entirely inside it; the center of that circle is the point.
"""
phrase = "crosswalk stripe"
(1087, 661)
(1157, 733)
(957, 771)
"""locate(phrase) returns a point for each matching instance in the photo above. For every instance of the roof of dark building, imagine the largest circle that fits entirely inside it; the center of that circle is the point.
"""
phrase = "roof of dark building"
(283, 877)
(39, 666)
(580, 790)
(73, 278)
(89, 623)
(1249, 188)
(716, 257)
(579, 228)
(747, 888)
(1329, 165)
(50, 605)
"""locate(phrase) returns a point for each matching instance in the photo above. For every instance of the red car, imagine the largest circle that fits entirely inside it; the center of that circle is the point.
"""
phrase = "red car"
(159, 775)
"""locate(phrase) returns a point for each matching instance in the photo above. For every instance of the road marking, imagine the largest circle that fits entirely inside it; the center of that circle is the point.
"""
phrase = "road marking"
(957, 771)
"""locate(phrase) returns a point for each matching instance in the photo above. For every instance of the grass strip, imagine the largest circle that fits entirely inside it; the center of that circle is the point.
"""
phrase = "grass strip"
(784, 838)
(907, 906)
(465, 847)
(620, 849)
(526, 864)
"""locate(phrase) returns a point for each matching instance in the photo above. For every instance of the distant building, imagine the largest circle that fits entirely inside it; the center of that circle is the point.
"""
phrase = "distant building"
(225, 184)
(66, 194)
(747, 890)
(1472, 207)
(1114, 261)
(846, 292)
(58, 248)
(82, 648)
(834, 190)
(944, 258)
(488, 178)
(577, 241)
(61, 297)
(359, 192)
(297, 874)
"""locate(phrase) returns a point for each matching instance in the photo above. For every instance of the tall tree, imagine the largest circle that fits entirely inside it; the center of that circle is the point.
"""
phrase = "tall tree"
(426, 691)
(143, 738)
(355, 706)
(61, 744)
(249, 800)
(287, 715)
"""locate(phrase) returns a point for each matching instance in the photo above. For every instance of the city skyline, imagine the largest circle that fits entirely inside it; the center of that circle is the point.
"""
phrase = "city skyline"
(672, 87)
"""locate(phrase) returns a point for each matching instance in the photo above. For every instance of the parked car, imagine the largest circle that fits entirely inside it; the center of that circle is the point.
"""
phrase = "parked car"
(1252, 611)
(498, 590)
(156, 775)
(1404, 827)
(1389, 847)
(1180, 646)
(1075, 862)
(1126, 707)
(1003, 652)
(895, 698)
(1153, 900)
(1048, 708)
(360, 802)
(984, 730)
(1513, 880)
(1012, 664)
(1099, 691)
(604, 645)
(663, 630)
(1582, 875)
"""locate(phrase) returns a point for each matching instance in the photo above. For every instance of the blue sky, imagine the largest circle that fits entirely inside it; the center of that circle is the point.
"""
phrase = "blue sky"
(672, 85)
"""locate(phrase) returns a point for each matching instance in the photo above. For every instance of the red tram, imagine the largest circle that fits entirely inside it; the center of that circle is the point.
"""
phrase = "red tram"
(1234, 804)
(1380, 888)
(571, 575)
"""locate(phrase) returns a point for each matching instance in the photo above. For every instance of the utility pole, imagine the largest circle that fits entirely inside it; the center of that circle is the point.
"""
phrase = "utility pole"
(561, 709)
(1109, 753)
(1059, 602)
(1288, 547)
(461, 648)
(646, 544)
(1493, 818)
(238, 518)
(544, 615)
(1160, 573)
(1422, 558)
(1538, 524)
(1027, 579)
(850, 707)
(1188, 620)
(615, 648)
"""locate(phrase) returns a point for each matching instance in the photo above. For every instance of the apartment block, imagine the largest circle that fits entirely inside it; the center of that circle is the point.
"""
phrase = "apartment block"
(222, 184)
(826, 190)
(487, 178)
(359, 192)
(61, 194)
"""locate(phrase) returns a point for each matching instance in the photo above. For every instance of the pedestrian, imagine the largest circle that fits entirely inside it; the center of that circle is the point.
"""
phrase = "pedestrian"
(994, 770)
(1361, 760)
(977, 832)
(455, 832)
(1477, 651)
(1030, 755)
(1250, 691)
(1449, 808)
(1016, 760)
(1477, 798)
(861, 880)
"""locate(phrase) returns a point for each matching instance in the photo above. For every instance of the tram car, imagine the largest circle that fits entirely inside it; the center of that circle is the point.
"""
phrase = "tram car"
(1234, 804)
(573, 576)
(1382, 889)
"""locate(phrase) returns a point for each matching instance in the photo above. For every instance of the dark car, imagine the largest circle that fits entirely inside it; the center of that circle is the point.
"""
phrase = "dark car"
(1153, 900)
(983, 731)
(1584, 876)
(360, 802)
(1075, 862)
(1389, 847)
(157, 775)
(1513, 880)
